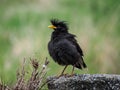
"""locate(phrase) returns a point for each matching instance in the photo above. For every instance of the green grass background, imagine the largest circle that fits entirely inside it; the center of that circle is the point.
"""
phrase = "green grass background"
(24, 33)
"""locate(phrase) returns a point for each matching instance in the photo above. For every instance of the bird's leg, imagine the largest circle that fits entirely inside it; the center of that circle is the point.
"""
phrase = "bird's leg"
(72, 70)
(63, 70)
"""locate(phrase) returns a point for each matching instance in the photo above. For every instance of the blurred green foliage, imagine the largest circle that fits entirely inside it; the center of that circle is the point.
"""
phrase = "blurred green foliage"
(24, 33)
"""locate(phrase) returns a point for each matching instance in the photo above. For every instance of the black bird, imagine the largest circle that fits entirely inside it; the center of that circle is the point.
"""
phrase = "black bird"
(63, 46)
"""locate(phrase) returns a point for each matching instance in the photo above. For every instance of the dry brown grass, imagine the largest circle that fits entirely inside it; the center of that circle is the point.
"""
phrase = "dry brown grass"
(36, 80)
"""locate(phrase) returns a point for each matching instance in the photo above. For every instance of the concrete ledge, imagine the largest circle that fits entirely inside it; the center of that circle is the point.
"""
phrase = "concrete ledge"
(85, 82)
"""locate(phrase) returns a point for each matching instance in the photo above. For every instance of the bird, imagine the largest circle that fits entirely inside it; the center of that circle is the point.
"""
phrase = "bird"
(63, 46)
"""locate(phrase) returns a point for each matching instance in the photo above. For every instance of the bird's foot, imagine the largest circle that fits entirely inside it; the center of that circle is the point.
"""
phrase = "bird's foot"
(71, 75)
(65, 75)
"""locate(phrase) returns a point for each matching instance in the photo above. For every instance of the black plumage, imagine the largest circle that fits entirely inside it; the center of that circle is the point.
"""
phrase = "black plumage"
(63, 46)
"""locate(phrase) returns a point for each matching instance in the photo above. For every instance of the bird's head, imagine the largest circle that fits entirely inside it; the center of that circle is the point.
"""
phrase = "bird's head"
(57, 25)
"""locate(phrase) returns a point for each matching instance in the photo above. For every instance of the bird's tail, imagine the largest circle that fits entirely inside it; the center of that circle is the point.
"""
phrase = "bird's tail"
(81, 64)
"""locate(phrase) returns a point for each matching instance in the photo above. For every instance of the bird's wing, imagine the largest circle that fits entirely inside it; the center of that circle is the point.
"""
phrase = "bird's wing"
(67, 52)
(71, 37)
(78, 47)
(80, 63)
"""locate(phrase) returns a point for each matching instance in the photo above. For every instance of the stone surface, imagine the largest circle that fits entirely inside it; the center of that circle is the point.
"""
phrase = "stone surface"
(85, 82)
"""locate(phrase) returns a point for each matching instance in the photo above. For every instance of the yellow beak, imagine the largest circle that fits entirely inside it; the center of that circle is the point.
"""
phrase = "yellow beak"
(52, 26)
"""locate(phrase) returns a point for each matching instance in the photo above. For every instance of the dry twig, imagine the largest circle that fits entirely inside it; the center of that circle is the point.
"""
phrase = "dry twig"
(36, 79)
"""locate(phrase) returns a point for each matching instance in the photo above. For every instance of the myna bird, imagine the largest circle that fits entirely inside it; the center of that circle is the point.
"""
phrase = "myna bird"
(63, 46)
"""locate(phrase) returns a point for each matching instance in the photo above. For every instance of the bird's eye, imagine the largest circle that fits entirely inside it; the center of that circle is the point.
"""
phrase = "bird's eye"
(59, 26)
